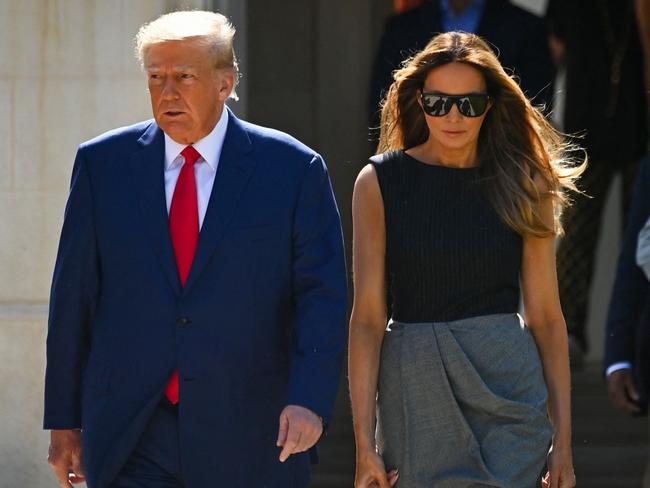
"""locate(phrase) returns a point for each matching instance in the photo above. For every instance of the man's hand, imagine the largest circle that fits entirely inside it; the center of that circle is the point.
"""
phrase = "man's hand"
(621, 389)
(65, 457)
(300, 428)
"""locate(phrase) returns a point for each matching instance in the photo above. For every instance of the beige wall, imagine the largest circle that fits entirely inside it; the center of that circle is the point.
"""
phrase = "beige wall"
(67, 73)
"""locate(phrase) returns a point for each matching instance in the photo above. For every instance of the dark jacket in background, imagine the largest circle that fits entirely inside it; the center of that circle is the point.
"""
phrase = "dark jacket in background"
(587, 31)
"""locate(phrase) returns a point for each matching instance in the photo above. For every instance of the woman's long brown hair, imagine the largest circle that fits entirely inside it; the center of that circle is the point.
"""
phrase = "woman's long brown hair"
(522, 157)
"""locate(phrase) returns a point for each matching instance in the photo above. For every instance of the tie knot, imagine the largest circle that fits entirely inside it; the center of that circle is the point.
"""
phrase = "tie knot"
(190, 154)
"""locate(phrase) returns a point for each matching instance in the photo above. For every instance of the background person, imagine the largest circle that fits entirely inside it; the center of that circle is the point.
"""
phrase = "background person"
(598, 44)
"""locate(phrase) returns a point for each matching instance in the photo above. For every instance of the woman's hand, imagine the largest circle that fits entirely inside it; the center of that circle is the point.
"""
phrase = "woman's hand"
(371, 472)
(560, 469)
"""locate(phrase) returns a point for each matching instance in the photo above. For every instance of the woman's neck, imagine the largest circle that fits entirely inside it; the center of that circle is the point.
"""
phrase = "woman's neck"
(433, 153)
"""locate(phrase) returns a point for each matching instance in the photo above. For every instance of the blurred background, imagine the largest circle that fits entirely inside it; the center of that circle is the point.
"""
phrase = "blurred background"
(68, 73)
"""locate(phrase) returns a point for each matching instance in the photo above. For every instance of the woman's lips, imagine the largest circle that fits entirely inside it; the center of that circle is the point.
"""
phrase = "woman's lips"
(453, 133)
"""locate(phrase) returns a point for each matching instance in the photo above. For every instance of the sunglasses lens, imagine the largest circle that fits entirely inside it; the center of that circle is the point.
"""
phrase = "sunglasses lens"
(436, 105)
(473, 105)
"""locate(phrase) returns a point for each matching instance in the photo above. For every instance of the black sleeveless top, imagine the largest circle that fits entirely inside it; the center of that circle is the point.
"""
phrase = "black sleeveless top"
(448, 253)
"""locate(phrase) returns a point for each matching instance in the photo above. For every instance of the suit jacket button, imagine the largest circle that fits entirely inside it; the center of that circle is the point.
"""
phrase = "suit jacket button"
(183, 321)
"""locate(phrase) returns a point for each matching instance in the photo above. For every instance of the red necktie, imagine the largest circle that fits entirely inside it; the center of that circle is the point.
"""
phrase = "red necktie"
(184, 229)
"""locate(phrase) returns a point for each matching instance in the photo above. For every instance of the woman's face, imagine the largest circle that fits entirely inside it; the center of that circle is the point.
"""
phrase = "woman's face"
(454, 131)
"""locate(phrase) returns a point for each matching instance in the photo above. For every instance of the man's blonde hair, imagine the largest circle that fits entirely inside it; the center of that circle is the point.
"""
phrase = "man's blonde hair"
(212, 28)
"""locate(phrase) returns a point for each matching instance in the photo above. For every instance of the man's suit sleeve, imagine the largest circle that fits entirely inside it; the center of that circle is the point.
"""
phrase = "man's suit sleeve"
(72, 301)
(631, 288)
(319, 294)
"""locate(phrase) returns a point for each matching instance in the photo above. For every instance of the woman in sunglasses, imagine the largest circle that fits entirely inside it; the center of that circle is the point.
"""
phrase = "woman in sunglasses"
(458, 208)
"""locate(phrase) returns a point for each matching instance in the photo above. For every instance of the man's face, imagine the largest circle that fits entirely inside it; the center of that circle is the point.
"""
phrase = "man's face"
(187, 93)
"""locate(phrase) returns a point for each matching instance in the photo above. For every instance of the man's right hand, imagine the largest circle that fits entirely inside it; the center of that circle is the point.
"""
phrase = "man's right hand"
(65, 457)
(622, 391)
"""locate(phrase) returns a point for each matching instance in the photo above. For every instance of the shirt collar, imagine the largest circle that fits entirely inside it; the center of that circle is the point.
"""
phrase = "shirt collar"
(209, 147)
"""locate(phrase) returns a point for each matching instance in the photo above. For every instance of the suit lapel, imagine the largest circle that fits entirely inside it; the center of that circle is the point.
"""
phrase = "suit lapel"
(148, 165)
(233, 173)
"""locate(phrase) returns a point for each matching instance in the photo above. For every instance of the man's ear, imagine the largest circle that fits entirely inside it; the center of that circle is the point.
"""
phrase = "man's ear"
(226, 84)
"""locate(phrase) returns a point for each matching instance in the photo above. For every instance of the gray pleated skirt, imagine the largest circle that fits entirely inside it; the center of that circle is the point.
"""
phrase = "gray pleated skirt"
(463, 404)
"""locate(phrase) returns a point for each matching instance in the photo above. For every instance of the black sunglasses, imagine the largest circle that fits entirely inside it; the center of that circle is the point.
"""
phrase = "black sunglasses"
(469, 105)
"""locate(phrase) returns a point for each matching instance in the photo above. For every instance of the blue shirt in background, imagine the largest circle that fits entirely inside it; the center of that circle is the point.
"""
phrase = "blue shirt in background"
(467, 21)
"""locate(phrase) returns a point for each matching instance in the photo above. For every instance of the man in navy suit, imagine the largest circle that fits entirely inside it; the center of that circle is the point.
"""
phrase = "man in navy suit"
(197, 313)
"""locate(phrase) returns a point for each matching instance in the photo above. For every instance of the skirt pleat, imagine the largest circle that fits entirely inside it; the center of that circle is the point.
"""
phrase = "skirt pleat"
(463, 404)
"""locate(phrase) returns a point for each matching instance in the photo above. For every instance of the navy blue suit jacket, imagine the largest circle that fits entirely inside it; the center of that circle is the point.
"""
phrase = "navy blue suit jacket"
(628, 320)
(260, 323)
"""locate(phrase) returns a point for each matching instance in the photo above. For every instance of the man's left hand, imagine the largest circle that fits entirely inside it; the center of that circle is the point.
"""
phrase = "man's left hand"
(300, 429)
(621, 389)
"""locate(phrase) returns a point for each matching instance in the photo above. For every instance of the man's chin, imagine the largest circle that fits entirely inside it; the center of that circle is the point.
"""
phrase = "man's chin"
(176, 131)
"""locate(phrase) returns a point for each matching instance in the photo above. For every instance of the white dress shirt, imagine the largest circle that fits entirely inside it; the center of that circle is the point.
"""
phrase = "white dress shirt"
(205, 169)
